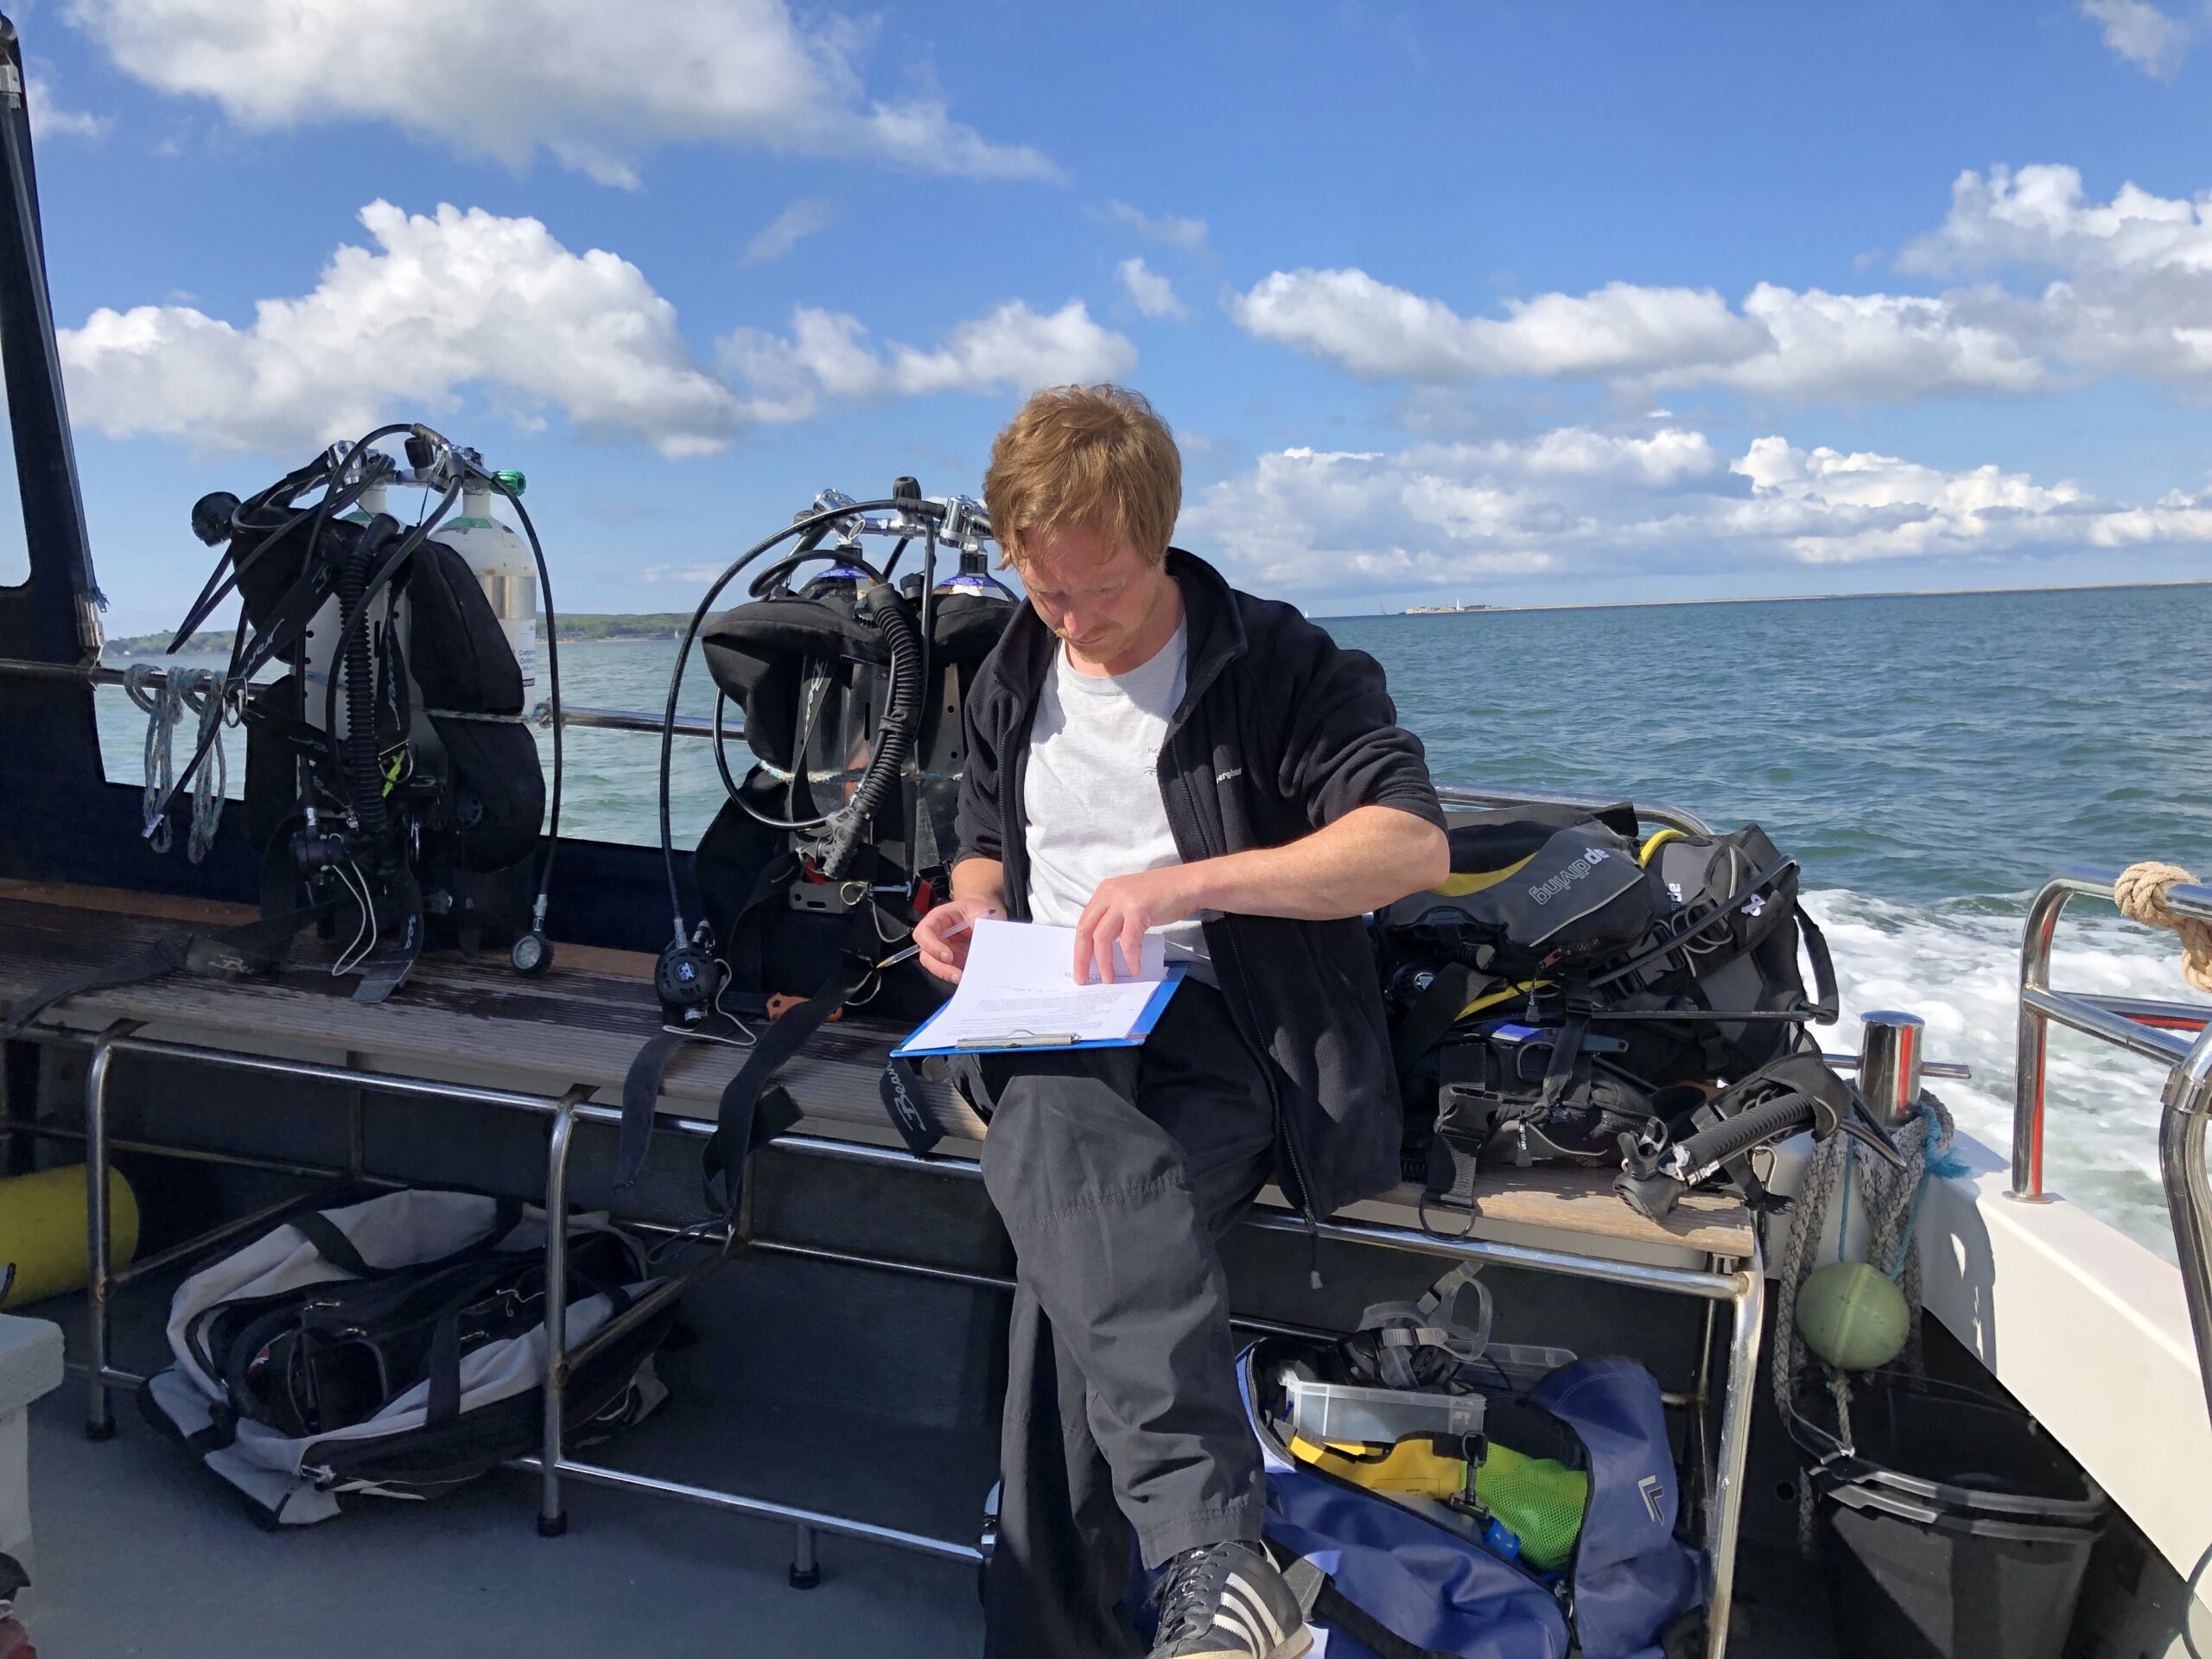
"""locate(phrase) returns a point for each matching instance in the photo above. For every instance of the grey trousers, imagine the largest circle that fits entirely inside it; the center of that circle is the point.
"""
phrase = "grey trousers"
(1117, 1172)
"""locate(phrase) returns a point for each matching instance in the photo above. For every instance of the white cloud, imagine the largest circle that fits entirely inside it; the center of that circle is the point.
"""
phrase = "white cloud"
(443, 302)
(2134, 289)
(2040, 216)
(1153, 294)
(2130, 290)
(1378, 332)
(828, 357)
(1783, 343)
(1883, 347)
(808, 216)
(508, 78)
(1189, 234)
(2140, 32)
(50, 120)
(1576, 502)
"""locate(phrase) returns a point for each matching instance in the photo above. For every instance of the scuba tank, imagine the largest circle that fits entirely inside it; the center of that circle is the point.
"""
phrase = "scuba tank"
(500, 558)
(823, 852)
(840, 834)
(389, 773)
(503, 567)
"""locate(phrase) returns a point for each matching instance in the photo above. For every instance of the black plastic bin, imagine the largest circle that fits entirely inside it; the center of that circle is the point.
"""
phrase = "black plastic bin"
(1958, 1529)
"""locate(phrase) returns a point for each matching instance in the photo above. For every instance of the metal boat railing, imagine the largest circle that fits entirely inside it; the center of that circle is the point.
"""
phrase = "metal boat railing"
(578, 716)
(2151, 1027)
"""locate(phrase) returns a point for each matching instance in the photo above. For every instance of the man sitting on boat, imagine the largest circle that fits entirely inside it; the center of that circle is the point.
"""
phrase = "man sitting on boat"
(1150, 750)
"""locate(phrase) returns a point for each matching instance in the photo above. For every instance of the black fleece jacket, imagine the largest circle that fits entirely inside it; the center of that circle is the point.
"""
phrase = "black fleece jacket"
(1280, 732)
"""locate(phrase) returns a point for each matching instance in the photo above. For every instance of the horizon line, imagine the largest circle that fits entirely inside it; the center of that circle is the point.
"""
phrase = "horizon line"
(1777, 599)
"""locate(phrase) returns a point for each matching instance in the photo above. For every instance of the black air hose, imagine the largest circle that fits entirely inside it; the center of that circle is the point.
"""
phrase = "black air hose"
(895, 739)
(356, 752)
(1710, 1147)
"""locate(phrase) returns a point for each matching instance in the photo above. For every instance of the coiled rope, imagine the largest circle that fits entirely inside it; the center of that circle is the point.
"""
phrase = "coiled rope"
(166, 700)
(2140, 893)
(1892, 1199)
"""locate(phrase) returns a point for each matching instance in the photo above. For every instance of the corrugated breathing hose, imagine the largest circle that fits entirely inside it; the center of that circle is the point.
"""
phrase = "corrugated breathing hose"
(357, 750)
(894, 738)
(1731, 1137)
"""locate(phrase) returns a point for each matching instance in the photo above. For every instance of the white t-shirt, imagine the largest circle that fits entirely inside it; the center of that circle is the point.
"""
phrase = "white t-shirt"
(1090, 789)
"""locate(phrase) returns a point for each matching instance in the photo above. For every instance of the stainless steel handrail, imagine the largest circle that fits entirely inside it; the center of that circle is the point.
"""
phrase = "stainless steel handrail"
(2142, 1026)
(577, 717)
(541, 715)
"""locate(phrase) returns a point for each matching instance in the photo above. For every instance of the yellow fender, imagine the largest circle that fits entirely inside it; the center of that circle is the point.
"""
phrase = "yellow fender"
(42, 1226)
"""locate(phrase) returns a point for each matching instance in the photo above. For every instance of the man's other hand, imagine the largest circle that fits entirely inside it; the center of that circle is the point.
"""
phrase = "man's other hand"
(944, 934)
(1122, 910)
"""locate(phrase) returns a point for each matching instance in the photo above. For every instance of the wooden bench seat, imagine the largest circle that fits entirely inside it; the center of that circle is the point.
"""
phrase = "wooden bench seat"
(462, 1020)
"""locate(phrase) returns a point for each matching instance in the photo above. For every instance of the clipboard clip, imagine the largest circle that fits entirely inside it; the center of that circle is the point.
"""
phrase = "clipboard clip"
(1019, 1040)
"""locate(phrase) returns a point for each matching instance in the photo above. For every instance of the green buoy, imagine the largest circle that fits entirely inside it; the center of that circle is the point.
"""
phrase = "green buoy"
(1853, 1316)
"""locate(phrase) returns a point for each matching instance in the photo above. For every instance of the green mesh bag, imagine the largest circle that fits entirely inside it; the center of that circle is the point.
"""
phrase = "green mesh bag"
(1539, 1499)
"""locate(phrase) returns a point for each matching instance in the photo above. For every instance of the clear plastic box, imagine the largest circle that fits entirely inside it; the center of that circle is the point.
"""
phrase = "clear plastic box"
(1338, 1411)
(1514, 1367)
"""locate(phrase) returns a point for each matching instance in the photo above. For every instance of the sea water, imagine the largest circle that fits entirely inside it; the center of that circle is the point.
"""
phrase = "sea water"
(1929, 760)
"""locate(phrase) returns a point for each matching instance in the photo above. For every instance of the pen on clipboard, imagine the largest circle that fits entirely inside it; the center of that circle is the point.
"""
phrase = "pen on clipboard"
(913, 951)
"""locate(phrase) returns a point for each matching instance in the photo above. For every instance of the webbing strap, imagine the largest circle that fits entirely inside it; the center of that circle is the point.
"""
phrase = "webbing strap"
(385, 971)
(248, 949)
(332, 1245)
(751, 1110)
(742, 944)
(1816, 950)
(1331, 1607)
(640, 1095)
(926, 855)
(329, 1242)
(1666, 947)
(164, 955)
(1566, 1065)
(443, 1372)
(288, 620)
(1433, 1014)
(900, 1089)
(1454, 1164)
(1400, 1330)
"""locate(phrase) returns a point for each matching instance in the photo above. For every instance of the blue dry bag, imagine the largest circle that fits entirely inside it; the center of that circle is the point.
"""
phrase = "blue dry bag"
(1389, 1579)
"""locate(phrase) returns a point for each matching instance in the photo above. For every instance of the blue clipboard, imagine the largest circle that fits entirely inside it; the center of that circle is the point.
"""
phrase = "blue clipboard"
(917, 1042)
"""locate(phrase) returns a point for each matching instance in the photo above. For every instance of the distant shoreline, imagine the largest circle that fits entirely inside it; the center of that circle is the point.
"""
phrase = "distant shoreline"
(1782, 599)
(625, 626)
(647, 627)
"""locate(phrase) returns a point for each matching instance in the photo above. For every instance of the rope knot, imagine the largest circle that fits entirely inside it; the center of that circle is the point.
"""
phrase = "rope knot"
(2140, 893)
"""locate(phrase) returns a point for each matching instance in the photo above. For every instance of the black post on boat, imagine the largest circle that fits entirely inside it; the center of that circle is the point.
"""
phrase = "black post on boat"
(56, 618)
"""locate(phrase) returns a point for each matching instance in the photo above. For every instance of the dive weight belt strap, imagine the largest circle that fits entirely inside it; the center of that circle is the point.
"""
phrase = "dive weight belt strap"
(754, 1108)
(254, 947)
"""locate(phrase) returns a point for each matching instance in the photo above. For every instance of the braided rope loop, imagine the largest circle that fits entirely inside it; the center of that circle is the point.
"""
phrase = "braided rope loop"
(2140, 893)
(178, 691)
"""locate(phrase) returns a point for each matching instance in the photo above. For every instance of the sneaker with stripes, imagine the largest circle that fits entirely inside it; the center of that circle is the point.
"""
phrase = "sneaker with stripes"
(1227, 1601)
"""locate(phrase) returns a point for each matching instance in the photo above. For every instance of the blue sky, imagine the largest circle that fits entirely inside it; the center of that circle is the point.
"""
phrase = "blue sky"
(1514, 303)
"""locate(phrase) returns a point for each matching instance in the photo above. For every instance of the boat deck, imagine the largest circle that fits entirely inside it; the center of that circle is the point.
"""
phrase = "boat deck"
(142, 1556)
(815, 1381)
(579, 1025)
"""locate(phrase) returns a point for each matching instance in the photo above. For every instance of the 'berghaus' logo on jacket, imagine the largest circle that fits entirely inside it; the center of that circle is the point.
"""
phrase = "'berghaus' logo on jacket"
(1545, 892)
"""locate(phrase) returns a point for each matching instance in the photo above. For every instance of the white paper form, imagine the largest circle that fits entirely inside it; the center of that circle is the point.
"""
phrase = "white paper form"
(1019, 989)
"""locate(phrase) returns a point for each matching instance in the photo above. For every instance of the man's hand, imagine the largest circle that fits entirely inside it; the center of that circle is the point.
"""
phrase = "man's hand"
(1126, 907)
(943, 935)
